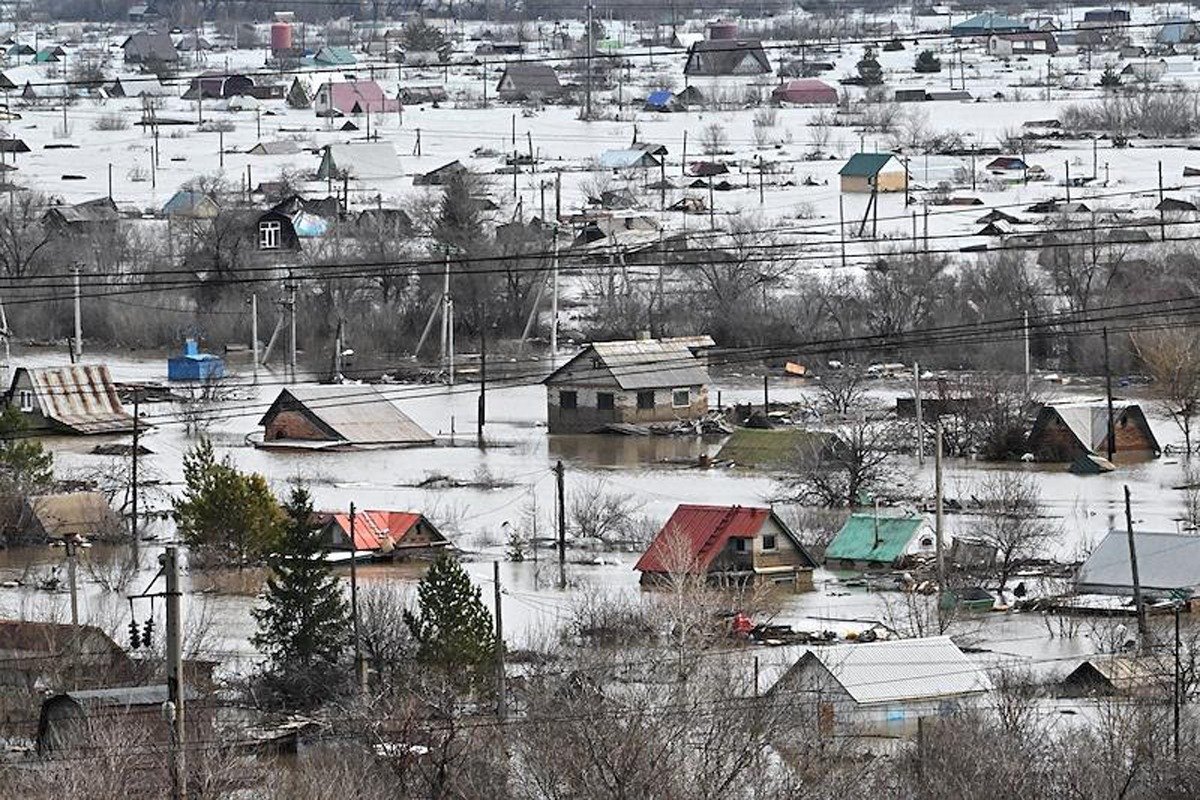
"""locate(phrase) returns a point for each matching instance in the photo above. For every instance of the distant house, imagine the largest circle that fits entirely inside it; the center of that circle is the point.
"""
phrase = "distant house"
(638, 382)
(192, 365)
(1179, 30)
(439, 176)
(988, 23)
(77, 399)
(1117, 675)
(729, 545)
(869, 541)
(275, 147)
(1006, 164)
(1024, 43)
(1176, 206)
(54, 517)
(276, 232)
(1168, 565)
(298, 95)
(387, 533)
(322, 417)
(148, 48)
(418, 95)
(351, 97)
(141, 12)
(186, 204)
(1105, 17)
(77, 718)
(1064, 432)
(867, 172)
(395, 219)
(13, 146)
(34, 655)
(713, 58)
(360, 161)
(218, 86)
(882, 688)
(329, 56)
(633, 158)
(522, 81)
(88, 216)
(806, 92)
(662, 100)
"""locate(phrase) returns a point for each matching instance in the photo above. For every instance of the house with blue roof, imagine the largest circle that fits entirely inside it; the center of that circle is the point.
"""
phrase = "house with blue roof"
(988, 23)
(662, 100)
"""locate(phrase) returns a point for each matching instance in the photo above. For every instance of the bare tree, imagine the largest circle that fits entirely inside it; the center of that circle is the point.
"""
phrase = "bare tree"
(597, 511)
(713, 139)
(1010, 520)
(844, 471)
(1172, 358)
(842, 390)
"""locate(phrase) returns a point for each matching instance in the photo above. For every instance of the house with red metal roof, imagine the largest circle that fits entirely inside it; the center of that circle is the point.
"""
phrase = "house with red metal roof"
(731, 545)
(343, 98)
(393, 534)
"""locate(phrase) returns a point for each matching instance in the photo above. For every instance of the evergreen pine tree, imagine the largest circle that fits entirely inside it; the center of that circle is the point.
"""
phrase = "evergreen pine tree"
(452, 626)
(303, 626)
(927, 62)
(869, 71)
(25, 466)
(1109, 78)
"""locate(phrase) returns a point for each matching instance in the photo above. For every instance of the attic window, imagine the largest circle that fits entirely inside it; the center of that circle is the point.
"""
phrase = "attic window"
(269, 234)
(26, 399)
(597, 363)
(768, 541)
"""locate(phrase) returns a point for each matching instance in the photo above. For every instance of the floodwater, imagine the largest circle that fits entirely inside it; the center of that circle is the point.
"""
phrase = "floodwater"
(511, 480)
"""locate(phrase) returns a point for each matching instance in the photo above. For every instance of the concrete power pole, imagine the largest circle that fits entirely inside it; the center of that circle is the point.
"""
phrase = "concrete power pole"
(587, 104)
(291, 305)
(77, 345)
(937, 519)
(175, 689)
(254, 332)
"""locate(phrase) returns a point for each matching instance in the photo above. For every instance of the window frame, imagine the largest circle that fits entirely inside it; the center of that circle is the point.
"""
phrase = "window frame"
(773, 546)
(25, 399)
(563, 396)
(606, 401)
(674, 398)
(270, 234)
(653, 400)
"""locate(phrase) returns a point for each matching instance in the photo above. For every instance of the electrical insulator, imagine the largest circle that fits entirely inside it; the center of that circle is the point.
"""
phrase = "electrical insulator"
(134, 638)
(148, 633)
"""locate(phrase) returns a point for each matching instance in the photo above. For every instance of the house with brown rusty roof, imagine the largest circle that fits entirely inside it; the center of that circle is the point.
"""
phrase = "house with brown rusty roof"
(385, 534)
(336, 417)
(728, 545)
(79, 399)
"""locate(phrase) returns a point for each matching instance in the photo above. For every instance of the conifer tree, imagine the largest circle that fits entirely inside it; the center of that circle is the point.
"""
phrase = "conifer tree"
(452, 626)
(869, 71)
(303, 626)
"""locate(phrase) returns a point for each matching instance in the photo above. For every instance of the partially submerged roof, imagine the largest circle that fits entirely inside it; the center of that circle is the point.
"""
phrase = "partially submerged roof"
(1088, 421)
(867, 537)
(81, 514)
(351, 414)
(361, 160)
(695, 534)
(900, 670)
(81, 398)
(374, 530)
(1167, 562)
(639, 363)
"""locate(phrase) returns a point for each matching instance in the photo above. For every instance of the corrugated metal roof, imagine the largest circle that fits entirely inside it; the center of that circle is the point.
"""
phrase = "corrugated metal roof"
(362, 160)
(865, 165)
(372, 528)
(357, 414)
(903, 669)
(1166, 561)
(866, 537)
(640, 363)
(625, 159)
(701, 532)
(74, 514)
(80, 397)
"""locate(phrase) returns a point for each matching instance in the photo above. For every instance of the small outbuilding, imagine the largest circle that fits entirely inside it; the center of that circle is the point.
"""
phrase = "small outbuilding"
(875, 541)
(1064, 432)
(149, 48)
(1117, 676)
(806, 92)
(730, 546)
(359, 161)
(192, 365)
(873, 172)
(528, 81)
(340, 416)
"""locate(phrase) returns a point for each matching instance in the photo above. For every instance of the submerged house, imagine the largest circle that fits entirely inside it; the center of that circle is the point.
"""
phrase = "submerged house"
(637, 382)
(1065, 432)
(1168, 565)
(34, 655)
(80, 400)
(88, 216)
(883, 688)
(871, 541)
(806, 92)
(359, 160)
(1117, 675)
(343, 98)
(80, 515)
(386, 533)
(323, 417)
(729, 545)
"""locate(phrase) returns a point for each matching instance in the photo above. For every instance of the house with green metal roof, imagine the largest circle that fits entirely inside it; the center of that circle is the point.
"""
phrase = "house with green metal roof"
(333, 56)
(878, 172)
(870, 541)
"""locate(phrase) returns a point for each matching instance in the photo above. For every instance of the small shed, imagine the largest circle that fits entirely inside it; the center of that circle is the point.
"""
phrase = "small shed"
(54, 517)
(1168, 565)
(730, 546)
(78, 400)
(1117, 675)
(71, 719)
(322, 417)
(388, 534)
(806, 92)
(662, 100)
(1063, 432)
(192, 365)
(871, 541)
(149, 48)
(439, 176)
(867, 172)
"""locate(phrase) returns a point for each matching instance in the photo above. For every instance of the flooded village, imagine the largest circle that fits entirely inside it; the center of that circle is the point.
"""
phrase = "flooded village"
(598, 400)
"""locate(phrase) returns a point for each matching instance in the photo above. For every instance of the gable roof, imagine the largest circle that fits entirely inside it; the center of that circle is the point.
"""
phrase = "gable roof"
(193, 205)
(899, 670)
(146, 46)
(1166, 561)
(79, 514)
(372, 529)
(703, 531)
(639, 363)
(352, 414)
(990, 22)
(727, 57)
(102, 209)
(361, 160)
(865, 165)
(881, 539)
(529, 77)
(81, 398)
(1088, 421)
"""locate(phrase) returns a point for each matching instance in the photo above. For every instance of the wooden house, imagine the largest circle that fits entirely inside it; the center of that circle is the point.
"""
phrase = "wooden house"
(874, 541)
(323, 417)
(80, 400)
(1065, 432)
(882, 688)
(730, 546)
(88, 216)
(867, 172)
(523, 81)
(125, 713)
(150, 49)
(387, 534)
(714, 58)
(639, 382)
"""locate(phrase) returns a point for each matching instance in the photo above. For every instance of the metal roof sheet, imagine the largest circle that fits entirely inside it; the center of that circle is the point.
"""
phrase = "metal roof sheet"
(1166, 561)
(703, 531)
(357, 414)
(902, 669)
(866, 537)
(640, 363)
(80, 397)
(865, 165)
(372, 528)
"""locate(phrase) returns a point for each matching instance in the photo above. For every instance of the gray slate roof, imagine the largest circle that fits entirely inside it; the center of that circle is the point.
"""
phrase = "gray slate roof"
(639, 363)
(356, 414)
(1166, 561)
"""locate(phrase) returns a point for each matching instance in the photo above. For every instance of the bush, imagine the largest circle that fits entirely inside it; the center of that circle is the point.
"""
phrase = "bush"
(111, 121)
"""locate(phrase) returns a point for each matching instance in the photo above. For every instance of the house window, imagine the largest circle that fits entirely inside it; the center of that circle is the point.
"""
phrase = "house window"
(269, 235)
(739, 545)
(768, 542)
(604, 401)
(681, 398)
(646, 400)
(568, 400)
(26, 400)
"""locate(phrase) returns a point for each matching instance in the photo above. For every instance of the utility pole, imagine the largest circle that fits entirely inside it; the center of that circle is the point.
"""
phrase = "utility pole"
(72, 544)
(133, 472)
(562, 525)
(254, 332)
(591, 48)
(481, 411)
(1143, 631)
(554, 302)
(291, 304)
(175, 689)
(1178, 683)
(937, 518)
(501, 698)
(360, 671)
(1028, 372)
(917, 413)
(766, 396)
(1110, 432)
(77, 345)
